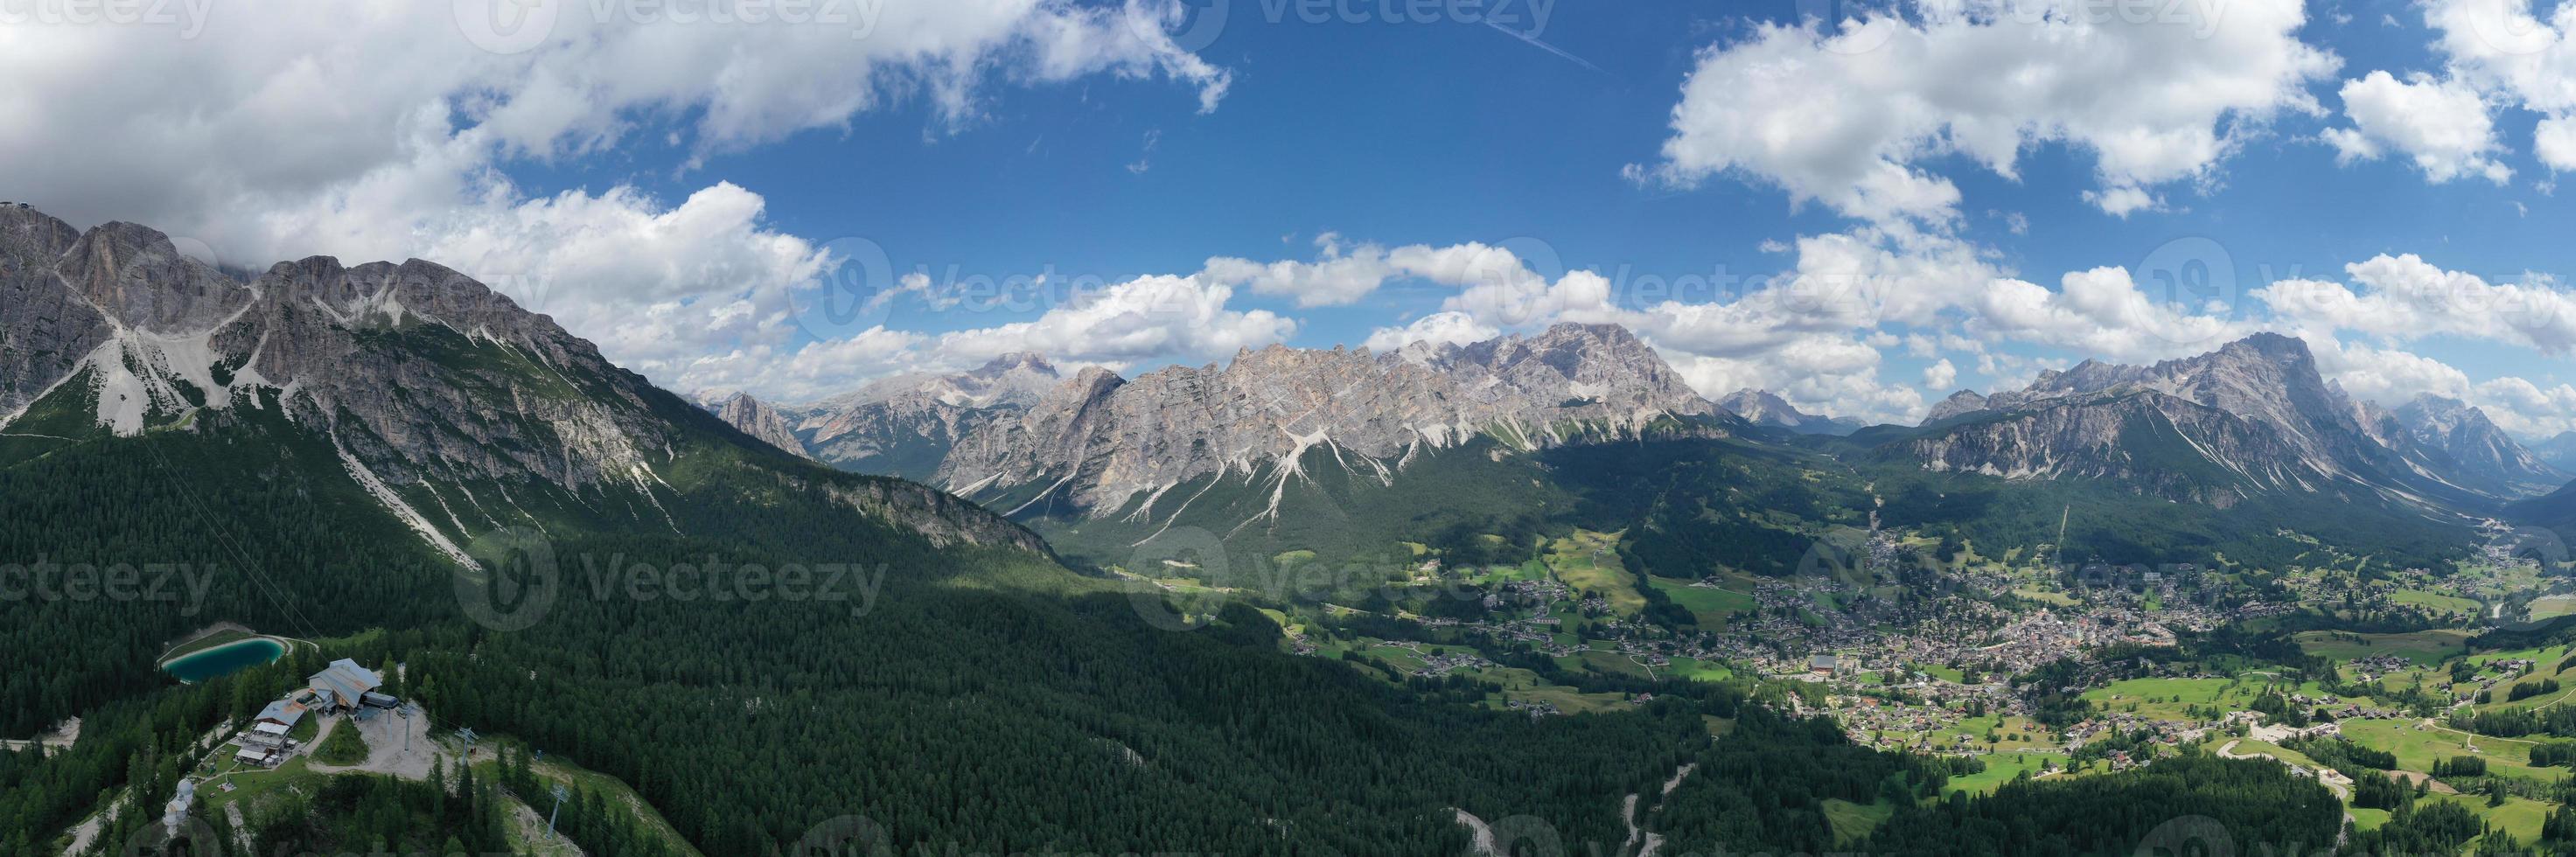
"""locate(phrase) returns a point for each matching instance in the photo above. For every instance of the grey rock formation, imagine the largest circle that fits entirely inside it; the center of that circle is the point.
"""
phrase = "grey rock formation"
(428, 384)
(2476, 447)
(2284, 428)
(2558, 451)
(897, 426)
(1961, 402)
(1104, 443)
(1762, 408)
(756, 418)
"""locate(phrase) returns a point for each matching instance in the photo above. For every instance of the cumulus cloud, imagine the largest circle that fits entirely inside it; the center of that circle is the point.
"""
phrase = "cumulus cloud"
(1343, 274)
(1439, 328)
(2513, 53)
(280, 130)
(2441, 124)
(2404, 297)
(1849, 113)
(1147, 318)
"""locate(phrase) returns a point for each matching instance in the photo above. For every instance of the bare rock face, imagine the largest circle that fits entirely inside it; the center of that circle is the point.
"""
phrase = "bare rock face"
(2165, 445)
(1100, 441)
(756, 418)
(422, 378)
(2291, 430)
(898, 426)
(1762, 408)
(2478, 449)
(1961, 402)
(2557, 451)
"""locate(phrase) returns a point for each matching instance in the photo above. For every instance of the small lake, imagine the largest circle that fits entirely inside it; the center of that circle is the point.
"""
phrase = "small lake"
(224, 660)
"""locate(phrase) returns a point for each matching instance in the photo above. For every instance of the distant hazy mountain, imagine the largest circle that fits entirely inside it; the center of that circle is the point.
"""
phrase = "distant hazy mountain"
(2480, 451)
(756, 418)
(1761, 408)
(897, 426)
(2558, 451)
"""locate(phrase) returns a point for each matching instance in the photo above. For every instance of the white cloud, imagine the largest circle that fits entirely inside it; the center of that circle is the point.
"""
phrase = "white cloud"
(1940, 376)
(297, 127)
(1343, 275)
(2554, 140)
(2404, 297)
(1147, 318)
(1450, 328)
(1849, 115)
(2441, 124)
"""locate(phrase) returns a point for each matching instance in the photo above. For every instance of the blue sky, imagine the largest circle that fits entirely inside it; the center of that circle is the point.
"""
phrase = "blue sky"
(681, 205)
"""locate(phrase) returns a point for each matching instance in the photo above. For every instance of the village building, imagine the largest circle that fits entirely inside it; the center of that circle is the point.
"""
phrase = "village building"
(283, 714)
(345, 685)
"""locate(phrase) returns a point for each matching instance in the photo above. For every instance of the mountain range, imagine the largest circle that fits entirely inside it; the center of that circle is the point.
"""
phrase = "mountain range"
(451, 407)
(359, 450)
(1762, 408)
(2250, 417)
(1285, 449)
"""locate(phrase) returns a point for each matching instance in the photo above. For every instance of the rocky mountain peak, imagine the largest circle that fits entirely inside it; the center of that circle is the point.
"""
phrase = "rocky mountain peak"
(1961, 402)
(756, 418)
(1016, 360)
(1100, 441)
(142, 281)
(2474, 446)
(28, 236)
(1764, 408)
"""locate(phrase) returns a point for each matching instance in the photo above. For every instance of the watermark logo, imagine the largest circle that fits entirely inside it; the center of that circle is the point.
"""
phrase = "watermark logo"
(518, 26)
(2538, 546)
(522, 579)
(1528, 836)
(2188, 836)
(844, 836)
(1191, 25)
(1849, 26)
(186, 16)
(2506, 26)
(852, 294)
(518, 582)
(1179, 553)
(182, 584)
(2194, 280)
(188, 836)
(507, 26)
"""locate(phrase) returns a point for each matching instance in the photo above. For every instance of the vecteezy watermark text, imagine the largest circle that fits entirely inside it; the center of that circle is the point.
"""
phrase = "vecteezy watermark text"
(518, 579)
(719, 581)
(177, 583)
(189, 16)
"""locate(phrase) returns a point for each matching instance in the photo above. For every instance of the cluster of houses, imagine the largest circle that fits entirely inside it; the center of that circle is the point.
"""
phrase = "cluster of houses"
(344, 686)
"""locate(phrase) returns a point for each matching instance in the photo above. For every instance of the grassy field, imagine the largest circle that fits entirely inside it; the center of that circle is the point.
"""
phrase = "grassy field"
(1697, 670)
(344, 747)
(1711, 606)
(2436, 600)
(1589, 562)
(2417, 749)
(2172, 698)
(2423, 647)
(2521, 817)
(1852, 821)
(2552, 606)
(2001, 768)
